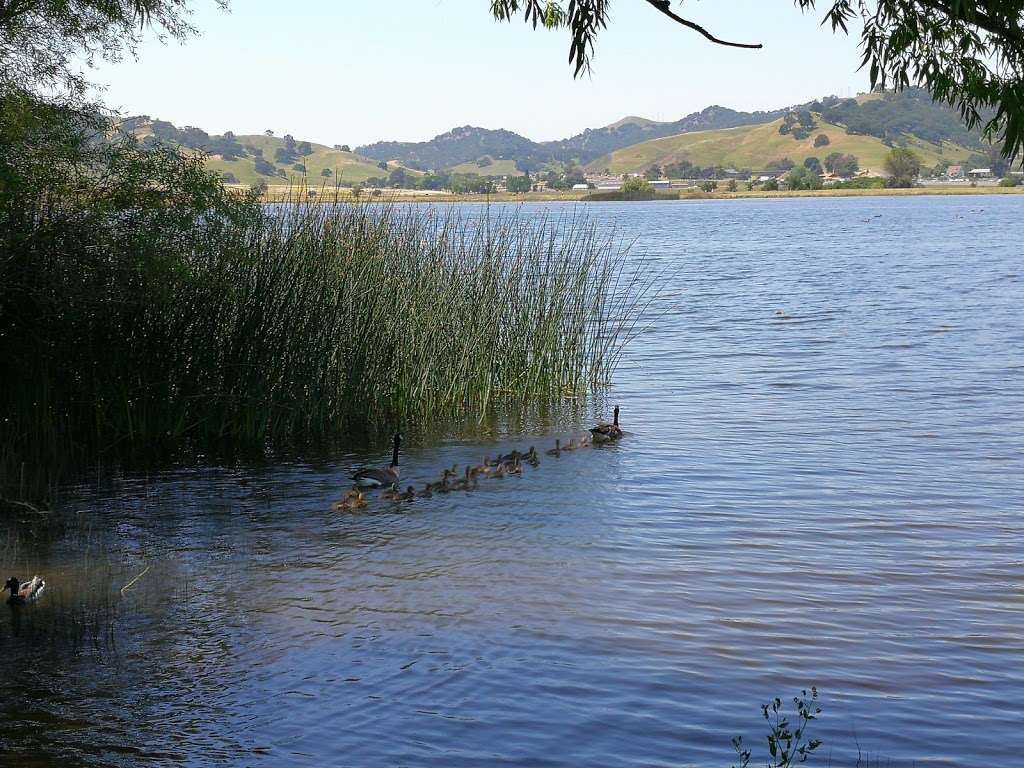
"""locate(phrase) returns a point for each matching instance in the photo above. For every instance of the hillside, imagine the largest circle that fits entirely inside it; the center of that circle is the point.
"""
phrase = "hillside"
(344, 166)
(462, 145)
(592, 144)
(460, 148)
(752, 147)
(251, 159)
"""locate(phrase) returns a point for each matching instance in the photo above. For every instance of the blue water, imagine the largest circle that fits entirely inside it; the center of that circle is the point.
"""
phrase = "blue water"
(822, 484)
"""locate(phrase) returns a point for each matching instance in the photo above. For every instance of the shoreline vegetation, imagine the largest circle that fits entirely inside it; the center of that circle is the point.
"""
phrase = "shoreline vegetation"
(234, 326)
(287, 194)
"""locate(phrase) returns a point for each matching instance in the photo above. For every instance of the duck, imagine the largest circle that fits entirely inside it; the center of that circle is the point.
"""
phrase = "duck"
(556, 451)
(372, 477)
(605, 433)
(28, 592)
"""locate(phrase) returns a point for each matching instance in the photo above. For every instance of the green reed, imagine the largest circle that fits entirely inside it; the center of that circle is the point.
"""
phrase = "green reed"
(317, 320)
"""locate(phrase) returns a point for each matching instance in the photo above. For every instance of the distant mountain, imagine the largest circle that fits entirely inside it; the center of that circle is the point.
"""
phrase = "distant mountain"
(462, 145)
(592, 144)
(892, 118)
(906, 118)
(469, 144)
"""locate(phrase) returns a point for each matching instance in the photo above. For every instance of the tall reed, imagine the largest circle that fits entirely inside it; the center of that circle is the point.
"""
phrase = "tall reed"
(308, 321)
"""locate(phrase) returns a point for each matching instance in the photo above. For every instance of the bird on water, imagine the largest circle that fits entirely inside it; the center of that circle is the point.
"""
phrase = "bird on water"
(374, 477)
(605, 433)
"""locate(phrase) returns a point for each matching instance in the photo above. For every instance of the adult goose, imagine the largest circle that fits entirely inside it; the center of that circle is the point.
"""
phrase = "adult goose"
(24, 593)
(605, 433)
(372, 477)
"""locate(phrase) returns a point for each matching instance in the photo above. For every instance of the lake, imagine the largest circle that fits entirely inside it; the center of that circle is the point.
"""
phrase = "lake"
(822, 484)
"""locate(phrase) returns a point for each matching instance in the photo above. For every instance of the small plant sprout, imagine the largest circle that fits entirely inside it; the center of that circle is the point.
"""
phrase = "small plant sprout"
(788, 744)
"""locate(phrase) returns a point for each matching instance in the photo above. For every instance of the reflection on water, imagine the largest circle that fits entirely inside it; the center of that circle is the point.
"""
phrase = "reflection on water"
(831, 494)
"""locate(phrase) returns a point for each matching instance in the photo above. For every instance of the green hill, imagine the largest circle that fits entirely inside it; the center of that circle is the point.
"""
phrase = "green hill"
(753, 146)
(344, 166)
(251, 159)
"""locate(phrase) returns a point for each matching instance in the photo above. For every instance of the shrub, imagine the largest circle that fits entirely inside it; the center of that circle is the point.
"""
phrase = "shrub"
(788, 744)
(1010, 181)
(821, 140)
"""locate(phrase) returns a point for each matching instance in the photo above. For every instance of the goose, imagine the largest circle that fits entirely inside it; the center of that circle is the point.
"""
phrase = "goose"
(442, 485)
(28, 592)
(410, 494)
(426, 493)
(377, 478)
(531, 456)
(509, 457)
(605, 433)
(556, 451)
(392, 493)
(570, 446)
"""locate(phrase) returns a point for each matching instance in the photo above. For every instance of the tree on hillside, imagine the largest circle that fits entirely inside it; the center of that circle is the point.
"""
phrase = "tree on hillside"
(968, 54)
(268, 132)
(304, 148)
(842, 165)
(903, 167)
(289, 143)
(812, 164)
(346, 148)
(821, 140)
(326, 172)
(654, 172)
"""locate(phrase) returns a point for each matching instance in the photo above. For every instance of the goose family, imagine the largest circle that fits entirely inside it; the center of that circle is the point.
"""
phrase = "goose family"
(379, 477)
(502, 465)
(22, 593)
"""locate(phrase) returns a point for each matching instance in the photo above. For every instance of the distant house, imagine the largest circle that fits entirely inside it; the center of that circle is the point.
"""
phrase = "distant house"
(955, 172)
(580, 187)
(660, 183)
(614, 186)
(980, 173)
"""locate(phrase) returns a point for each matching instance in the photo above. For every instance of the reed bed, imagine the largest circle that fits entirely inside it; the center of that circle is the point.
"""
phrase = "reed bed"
(309, 321)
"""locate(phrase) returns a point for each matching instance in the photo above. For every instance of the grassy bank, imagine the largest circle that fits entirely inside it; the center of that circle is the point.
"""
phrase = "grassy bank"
(282, 194)
(298, 324)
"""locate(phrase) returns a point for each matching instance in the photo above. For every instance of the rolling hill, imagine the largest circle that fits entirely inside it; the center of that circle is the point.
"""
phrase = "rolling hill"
(344, 166)
(752, 147)
(251, 159)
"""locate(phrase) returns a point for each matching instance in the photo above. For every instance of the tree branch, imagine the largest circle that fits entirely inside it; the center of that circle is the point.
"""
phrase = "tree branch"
(664, 7)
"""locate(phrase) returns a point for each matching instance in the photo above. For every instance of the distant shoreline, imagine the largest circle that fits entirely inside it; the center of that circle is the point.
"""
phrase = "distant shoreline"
(287, 194)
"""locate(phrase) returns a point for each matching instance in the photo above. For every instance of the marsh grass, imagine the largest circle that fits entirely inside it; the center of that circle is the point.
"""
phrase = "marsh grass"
(305, 322)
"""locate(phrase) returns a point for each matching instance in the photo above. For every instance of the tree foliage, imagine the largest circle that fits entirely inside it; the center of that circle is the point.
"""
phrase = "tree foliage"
(903, 167)
(968, 53)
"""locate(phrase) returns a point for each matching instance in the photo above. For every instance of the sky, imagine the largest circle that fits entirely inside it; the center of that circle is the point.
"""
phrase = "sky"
(356, 71)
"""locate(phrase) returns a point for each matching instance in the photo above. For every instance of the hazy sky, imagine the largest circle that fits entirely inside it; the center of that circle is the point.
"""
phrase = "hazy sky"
(353, 72)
